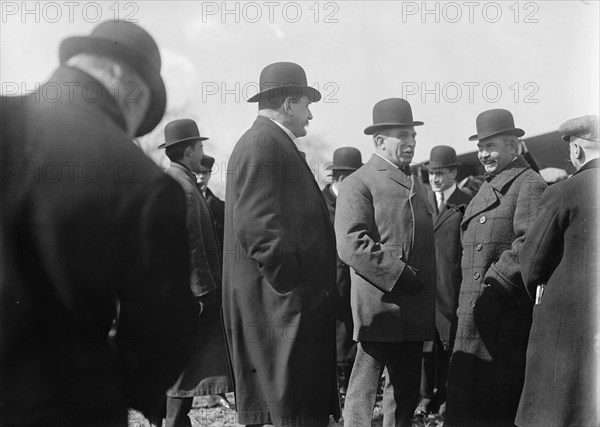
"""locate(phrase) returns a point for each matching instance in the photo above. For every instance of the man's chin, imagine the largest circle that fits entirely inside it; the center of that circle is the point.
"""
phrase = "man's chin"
(491, 169)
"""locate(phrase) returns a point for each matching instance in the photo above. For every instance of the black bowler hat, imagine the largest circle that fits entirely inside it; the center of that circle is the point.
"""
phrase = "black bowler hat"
(181, 130)
(389, 113)
(495, 122)
(441, 157)
(129, 43)
(207, 163)
(284, 79)
(345, 158)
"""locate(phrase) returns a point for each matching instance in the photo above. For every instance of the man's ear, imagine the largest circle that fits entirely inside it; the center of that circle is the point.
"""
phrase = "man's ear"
(579, 154)
(188, 151)
(286, 106)
(378, 140)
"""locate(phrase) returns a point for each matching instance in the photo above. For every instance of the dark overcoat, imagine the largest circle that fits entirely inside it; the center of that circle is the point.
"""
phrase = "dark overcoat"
(278, 283)
(91, 229)
(346, 348)
(383, 222)
(208, 369)
(488, 360)
(217, 208)
(448, 253)
(561, 250)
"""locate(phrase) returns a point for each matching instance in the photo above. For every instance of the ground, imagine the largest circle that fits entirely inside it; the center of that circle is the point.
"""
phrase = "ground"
(203, 416)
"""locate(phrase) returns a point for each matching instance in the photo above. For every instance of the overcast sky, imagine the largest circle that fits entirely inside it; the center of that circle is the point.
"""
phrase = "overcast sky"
(450, 60)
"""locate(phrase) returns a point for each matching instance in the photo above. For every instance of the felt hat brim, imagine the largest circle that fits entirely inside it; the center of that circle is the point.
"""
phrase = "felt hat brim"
(370, 130)
(510, 131)
(178, 141)
(104, 47)
(427, 166)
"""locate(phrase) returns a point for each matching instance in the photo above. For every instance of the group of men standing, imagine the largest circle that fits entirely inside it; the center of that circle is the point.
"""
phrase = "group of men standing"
(502, 287)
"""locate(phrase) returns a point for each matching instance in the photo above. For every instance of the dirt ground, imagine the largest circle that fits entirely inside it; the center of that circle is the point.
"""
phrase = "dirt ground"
(204, 416)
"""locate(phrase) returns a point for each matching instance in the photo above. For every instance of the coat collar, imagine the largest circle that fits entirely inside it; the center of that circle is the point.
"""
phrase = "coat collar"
(589, 165)
(487, 196)
(183, 171)
(98, 99)
(392, 172)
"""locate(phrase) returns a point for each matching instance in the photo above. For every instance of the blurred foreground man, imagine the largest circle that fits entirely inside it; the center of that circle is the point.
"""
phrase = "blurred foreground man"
(279, 272)
(346, 160)
(93, 236)
(384, 230)
(207, 372)
(559, 262)
(494, 314)
(449, 203)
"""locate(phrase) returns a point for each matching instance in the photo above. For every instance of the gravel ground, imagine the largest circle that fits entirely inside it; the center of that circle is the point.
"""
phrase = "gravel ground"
(204, 416)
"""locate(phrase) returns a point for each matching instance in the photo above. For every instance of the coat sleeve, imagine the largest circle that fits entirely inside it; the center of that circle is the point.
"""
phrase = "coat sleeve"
(354, 227)
(201, 278)
(505, 274)
(257, 214)
(155, 301)
(542, 250)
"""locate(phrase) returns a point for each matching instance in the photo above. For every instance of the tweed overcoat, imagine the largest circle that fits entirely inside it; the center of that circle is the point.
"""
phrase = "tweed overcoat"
(91, 230)
(488, 360)
(378, 233)
(278, 283)
(448, 253)
(561, 250)
(208, 369)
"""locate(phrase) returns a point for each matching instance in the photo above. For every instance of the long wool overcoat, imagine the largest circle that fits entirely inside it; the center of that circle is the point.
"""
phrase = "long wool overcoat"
(278, 283)
(488, 362)
(561, 250)
(383, 222)
(208, 370)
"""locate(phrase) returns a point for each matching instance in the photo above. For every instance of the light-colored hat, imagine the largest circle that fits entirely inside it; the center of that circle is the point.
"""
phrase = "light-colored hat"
(585, 127)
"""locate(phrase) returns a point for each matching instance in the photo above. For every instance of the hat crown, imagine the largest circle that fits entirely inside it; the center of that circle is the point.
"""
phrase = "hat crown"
(346, 158)
(182, 129)
(130, 36)
(585, 127)
(495, 122)
(280, 74)
(393, 110)
(207, 162)
(442, 156)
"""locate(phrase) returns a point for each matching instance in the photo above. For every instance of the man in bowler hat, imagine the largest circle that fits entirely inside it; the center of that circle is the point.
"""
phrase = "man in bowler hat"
(384, 231)
(207, 372)
(279, 272)
(559, 263)
(95, 266)
(216, 205)
(494, 314)
(346, 160)
(449, 203)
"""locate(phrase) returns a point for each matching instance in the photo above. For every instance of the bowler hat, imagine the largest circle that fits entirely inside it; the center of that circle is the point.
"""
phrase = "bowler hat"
(345, 158)
(585, 127)
(129, 43)
(442, 156)
(182, 130)
(284, 79)
(392, 112)
(495, 122)
(207, 163)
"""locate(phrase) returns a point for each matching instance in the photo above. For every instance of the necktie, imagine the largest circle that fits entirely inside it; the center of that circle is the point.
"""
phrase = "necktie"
(440, 200)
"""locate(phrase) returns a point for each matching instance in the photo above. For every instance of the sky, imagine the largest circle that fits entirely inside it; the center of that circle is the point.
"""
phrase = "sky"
(450, 60)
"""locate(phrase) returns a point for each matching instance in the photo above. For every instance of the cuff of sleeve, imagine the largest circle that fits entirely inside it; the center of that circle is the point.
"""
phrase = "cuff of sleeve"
(500, 283)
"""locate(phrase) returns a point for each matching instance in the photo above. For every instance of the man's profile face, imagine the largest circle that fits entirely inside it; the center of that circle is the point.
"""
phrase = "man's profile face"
(196, 157)
(203, 177)
(398, 144)
(495, 153)
(442, 179)
(299, 116)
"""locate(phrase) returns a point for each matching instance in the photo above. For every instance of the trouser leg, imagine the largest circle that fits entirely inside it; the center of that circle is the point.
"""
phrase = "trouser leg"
(177, 411)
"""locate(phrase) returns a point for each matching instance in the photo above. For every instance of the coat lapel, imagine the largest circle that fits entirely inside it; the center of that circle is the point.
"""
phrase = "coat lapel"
(447, 209)
(488, 194)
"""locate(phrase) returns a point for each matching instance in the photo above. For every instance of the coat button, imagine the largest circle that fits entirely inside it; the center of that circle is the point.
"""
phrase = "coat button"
(479, 247)
(472, 303)
(482, 220)
(476, 276)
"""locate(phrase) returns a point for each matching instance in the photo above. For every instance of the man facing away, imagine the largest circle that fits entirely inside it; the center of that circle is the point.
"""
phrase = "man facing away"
(94, 242)
(279, 272)
(384, 230)
(559, 263)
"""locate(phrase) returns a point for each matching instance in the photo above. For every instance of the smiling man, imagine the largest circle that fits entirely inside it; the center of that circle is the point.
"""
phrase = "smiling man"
(494, 314)
(384, 231)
